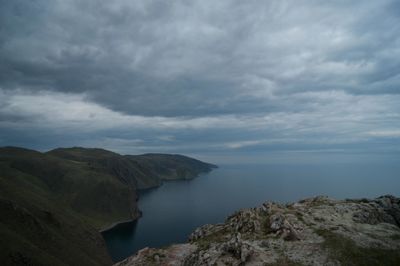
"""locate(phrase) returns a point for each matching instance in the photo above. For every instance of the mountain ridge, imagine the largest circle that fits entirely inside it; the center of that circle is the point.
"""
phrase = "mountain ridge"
(69, 194)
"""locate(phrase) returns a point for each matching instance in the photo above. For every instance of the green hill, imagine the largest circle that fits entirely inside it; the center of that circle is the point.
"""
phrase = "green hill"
(53, 204)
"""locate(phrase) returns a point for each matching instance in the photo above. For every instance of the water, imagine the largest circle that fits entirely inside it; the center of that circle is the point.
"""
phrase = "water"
(172, 211)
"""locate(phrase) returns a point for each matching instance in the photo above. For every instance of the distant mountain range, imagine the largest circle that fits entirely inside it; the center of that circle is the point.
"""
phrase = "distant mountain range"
(53, 204)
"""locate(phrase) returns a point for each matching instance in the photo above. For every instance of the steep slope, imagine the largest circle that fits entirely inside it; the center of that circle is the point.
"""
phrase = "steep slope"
(36, 226)
(140, 171)
(53, 204)
(167, 167)
(98, 196)
(316, 231)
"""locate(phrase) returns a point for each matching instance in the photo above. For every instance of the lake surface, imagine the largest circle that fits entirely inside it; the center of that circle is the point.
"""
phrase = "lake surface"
(172, 211)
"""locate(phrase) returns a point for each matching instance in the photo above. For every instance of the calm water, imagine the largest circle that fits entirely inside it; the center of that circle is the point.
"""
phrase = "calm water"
(172, 211)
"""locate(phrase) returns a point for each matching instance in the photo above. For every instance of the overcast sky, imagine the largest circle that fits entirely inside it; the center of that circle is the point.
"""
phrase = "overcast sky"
(215, 79)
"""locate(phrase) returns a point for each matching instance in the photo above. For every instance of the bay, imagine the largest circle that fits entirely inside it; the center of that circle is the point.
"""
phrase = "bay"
(172, 211)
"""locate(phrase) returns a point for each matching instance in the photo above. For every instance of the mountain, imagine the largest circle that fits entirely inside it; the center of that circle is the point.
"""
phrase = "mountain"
(141, 171)
(53, 204)
(314, 231)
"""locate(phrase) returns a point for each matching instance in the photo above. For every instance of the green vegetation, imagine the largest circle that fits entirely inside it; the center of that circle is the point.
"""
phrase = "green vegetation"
(39, 229)
(52, 205)
(216, 237)
(395, 237)
(348, 253)
(284, 261)
(142, 171)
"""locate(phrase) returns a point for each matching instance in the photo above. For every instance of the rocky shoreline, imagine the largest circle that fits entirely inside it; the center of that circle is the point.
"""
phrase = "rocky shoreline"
(315, 231)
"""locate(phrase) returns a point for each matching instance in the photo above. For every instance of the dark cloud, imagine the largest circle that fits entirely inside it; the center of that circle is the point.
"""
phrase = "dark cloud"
(199, 75)
(125, 54)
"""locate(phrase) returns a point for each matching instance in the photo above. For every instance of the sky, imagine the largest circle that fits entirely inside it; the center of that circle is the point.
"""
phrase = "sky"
(224, 81)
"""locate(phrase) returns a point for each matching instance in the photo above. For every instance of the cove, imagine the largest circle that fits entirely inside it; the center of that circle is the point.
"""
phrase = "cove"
(172, 211)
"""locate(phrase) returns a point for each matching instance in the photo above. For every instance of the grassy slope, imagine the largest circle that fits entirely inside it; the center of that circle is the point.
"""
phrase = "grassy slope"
(170, 167)
(38, 229)
(348, 253)
(143, 171)
(102, 161)
(52, 204)
(98, 197)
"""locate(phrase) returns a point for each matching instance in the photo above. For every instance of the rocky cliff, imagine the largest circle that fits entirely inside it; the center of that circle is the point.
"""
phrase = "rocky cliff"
(315, 231)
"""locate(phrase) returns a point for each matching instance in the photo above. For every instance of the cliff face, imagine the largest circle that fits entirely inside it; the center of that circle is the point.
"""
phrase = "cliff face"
(52, 205)
(131, 172)
(316, 231)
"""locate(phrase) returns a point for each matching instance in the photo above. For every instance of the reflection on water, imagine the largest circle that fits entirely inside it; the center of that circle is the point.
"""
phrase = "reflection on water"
(124, 235)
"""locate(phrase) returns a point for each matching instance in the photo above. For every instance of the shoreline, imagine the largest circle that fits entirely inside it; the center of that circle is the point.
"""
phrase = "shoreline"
(317, 231)
(113, 225)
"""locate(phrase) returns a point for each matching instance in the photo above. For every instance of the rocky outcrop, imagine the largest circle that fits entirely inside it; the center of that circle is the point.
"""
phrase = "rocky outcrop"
(383, 209)
(314, 231)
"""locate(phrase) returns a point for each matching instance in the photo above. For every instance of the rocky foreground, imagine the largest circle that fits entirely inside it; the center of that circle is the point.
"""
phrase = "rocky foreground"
(315, 231)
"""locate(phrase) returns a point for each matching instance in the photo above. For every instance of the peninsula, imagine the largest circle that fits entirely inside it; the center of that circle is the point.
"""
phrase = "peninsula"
(53, 204)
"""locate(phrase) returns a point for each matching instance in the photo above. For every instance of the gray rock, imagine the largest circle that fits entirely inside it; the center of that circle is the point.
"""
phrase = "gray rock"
(276, 222)
(285, 234)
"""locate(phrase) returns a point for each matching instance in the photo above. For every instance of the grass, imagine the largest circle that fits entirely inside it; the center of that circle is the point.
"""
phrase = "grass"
(217, 237)
(347, 252)
(53, 204)
(395, 237)
(36, 229)
(284, 261)
(300, 217)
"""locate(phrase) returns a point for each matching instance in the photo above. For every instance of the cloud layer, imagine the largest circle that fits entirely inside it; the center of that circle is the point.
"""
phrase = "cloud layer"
(200, 77)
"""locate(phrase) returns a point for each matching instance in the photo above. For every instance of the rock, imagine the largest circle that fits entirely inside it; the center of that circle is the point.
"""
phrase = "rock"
(238, 248)
(385, 209)
(299, 233)
(268, 207)
(205, 231)
(245, 221)
(276, 222)
(245, 253)
(157, 259)
(282, 227)
(391, 205)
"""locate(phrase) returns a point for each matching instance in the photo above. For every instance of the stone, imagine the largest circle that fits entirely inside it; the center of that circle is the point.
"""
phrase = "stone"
(276, 222)
(286, 234)
(157, 259)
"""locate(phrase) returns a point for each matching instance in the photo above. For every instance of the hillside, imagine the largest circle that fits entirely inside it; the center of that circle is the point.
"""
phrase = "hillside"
(141, 171)
(315, 231)
(53, 204)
